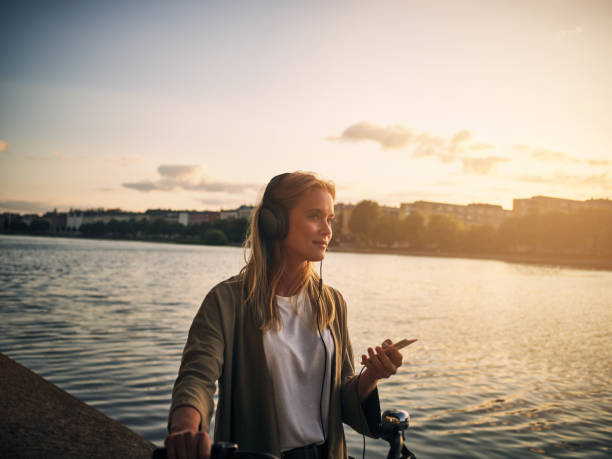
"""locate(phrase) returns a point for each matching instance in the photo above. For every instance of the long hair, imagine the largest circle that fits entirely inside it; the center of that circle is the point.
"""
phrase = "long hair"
(265, 259)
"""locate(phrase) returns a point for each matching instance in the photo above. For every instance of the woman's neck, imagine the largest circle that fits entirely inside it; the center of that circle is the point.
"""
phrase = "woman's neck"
(290, 281)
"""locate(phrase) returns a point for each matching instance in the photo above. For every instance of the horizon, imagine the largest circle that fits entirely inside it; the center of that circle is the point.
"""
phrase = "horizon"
(120, 209)
(140, 106)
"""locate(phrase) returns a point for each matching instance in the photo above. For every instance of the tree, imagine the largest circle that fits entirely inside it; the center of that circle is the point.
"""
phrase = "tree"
(338, 233)
(363, 220)
(478, 238)
(39, 225)
(386, 230)
(215, 237)
(508, 235)
(234, 228)
(18, 225)
(443, 231)
(411, 230)
(93, 229)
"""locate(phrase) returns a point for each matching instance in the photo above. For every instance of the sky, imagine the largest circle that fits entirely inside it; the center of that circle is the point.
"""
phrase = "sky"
(196, 105)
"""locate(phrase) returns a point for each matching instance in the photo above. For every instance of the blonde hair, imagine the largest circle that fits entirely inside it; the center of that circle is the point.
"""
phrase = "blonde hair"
(265, 259)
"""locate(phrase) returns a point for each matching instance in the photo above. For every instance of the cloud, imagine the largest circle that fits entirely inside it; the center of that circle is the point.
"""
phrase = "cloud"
(429, 145)
(481, 146)
(598, 162)
(551, 156)
(522, 148)
(603, 180)
(481, 166)
(180, 172)
(548, 155)
(25, 206)
(145, 185)
(398, 137)
(447, 150)
(389, 137)
(191, 178)
(3, 145)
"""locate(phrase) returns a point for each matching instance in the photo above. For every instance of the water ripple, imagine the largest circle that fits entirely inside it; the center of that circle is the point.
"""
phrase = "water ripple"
(511, 361)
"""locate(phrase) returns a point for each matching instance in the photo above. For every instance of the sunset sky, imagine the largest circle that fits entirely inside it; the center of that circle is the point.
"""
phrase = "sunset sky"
(196, 105)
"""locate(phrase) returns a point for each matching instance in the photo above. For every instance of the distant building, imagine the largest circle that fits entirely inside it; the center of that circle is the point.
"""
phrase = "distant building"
(189, 218)
(241, 212)
(57, 221)
(29, 218)
(471, 214)
(8, 220)
(76, 218)
(599, 203)
(388, 210)
(169, 216)
(342, 214)
(540, 204)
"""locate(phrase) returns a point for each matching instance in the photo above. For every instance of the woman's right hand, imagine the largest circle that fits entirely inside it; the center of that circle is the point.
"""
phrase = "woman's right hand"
(185, 441)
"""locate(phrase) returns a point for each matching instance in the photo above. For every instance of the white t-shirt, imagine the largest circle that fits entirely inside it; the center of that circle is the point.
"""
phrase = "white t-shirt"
(295, 357)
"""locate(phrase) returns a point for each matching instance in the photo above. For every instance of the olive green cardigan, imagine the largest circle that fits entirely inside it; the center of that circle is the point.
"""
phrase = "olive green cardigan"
(224, 345)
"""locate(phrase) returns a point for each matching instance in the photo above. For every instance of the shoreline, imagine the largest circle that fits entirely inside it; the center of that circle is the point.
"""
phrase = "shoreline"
(568, 261)
(554, 260)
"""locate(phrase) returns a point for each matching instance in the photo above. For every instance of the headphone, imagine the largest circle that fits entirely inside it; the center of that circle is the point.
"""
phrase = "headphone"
(273, 218)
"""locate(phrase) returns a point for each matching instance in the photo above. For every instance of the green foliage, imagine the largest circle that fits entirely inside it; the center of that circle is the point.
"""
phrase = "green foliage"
(220, 232)
(364, 219)
(235, 229)
(443, 232)
(584, 232)
(93, 229)
(587, 232)
(411, 230)
(18, 226)
(337, 230)
(38, 225)
(386, 230)
(477, 238)
(215, 236)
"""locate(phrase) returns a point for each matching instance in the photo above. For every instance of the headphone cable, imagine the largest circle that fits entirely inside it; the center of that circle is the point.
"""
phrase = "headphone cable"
(363, 435)
(325, 352)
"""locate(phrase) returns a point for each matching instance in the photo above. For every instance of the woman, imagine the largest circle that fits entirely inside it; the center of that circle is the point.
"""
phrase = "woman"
(276, 340)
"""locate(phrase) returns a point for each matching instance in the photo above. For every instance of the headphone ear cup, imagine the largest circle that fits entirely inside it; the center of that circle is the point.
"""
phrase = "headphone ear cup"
(272, 223)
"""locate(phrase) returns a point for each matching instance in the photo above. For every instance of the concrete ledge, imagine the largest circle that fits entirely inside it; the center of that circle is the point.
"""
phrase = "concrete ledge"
(39, 420)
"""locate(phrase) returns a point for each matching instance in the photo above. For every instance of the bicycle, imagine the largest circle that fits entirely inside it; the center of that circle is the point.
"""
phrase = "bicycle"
(392, 427)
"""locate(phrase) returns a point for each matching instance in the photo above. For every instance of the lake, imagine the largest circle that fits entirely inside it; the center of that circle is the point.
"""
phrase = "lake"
(512, 360)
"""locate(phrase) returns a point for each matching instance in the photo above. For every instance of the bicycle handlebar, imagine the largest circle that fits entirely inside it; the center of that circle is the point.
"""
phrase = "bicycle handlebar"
(392, 427)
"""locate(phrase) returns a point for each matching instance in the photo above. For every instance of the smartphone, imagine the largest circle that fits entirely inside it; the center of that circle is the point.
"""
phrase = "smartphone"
(403, 343)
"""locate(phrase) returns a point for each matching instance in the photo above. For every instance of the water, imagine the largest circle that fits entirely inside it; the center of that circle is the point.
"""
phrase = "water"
(512, 360)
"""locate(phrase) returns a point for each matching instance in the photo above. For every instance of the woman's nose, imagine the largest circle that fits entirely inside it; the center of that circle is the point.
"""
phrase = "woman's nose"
(326, 229)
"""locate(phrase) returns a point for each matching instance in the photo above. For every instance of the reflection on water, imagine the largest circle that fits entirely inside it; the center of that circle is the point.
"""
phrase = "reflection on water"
(512, 360)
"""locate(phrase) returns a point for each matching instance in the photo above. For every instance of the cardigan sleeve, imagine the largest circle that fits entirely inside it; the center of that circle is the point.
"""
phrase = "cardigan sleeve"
(202, 362)
(364, 416)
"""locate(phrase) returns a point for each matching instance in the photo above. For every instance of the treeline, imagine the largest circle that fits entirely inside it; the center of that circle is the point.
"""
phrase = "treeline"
(586, 232)
(17, 225)
(221, 232)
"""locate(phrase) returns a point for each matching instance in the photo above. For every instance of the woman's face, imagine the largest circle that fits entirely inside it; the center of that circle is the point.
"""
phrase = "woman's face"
(309, 227)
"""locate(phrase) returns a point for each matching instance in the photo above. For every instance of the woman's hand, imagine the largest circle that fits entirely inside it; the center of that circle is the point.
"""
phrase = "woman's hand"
(380, 364)
(185, 441)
